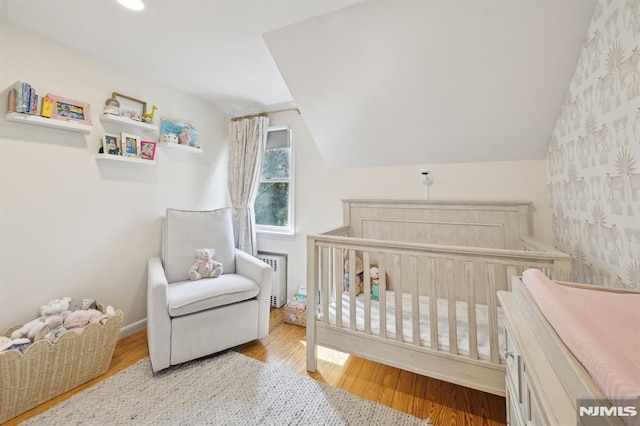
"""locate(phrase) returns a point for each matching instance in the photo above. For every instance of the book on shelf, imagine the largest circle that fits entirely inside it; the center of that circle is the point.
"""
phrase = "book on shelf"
(26, 96)
(35, 108)
(14, 104)
(47, 106)
(32, 101)
(22, 97)
(11, 101)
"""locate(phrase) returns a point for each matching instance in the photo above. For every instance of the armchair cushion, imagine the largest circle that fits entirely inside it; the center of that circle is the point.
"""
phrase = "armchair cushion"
(187, 297)
(185, 231)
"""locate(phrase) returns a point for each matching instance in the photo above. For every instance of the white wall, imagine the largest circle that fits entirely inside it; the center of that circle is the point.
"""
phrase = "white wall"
(70, 226)
(319, 190)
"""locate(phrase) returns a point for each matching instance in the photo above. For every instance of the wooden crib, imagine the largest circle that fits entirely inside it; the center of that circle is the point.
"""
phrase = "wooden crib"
(440, 262)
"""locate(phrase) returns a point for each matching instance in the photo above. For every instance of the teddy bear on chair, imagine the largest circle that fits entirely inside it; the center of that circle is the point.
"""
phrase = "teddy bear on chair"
(205, 266)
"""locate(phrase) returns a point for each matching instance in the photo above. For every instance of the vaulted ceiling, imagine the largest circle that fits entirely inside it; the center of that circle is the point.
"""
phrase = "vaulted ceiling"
(438, 81)
(378, 81)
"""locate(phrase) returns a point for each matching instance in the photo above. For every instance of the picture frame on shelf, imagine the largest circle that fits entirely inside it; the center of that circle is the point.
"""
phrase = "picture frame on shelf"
(111, 144)
(130, 145)
(148, 150)
(178, 131)
(70, 110)
(129, 107)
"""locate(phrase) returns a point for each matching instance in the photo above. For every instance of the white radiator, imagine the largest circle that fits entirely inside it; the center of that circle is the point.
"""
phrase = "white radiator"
(278, 263)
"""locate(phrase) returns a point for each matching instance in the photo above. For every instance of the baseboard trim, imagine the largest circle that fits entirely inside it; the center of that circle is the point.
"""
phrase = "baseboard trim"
(130, 329)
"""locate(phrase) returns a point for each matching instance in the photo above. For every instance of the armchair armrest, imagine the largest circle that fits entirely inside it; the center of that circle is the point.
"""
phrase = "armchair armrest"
(254, 269)
(258, 271)
(158, 320)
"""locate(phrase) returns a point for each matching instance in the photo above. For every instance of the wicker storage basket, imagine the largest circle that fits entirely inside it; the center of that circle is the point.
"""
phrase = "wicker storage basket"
(295, 316)
(47, 369)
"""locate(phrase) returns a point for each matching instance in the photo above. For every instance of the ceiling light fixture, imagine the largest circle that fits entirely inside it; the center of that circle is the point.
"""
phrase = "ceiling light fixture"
(136, 5)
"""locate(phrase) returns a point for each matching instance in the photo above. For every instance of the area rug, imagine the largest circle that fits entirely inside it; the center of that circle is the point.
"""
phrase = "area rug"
(228, 389)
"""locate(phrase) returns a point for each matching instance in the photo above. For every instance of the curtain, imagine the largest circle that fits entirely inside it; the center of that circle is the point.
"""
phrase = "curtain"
(248, 138)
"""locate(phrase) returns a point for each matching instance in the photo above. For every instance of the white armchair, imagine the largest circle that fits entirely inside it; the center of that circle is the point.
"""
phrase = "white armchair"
(190, 319)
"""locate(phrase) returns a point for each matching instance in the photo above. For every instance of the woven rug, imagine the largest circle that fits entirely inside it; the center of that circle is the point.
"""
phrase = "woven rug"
(228, 389)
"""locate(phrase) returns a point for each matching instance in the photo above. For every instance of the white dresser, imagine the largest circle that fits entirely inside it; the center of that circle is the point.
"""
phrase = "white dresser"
(535, 396)
(543, 379)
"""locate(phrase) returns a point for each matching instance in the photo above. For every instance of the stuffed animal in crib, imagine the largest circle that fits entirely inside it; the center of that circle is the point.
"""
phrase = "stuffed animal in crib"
(358, 278)
(374, 273)
(205, 266)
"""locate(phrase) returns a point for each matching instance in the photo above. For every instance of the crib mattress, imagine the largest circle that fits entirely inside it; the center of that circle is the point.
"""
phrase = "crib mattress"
(482, 320)
(600, 328)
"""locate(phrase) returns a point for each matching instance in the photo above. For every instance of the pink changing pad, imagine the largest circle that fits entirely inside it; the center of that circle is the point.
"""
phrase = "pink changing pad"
(600, 328)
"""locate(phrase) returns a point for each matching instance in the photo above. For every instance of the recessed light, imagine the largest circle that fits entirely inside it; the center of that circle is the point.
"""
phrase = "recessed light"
(136, 5)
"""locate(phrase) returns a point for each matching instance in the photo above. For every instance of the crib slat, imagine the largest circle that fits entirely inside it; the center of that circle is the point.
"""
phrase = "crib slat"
(325, 267)
(432, 278)
(339, 258)
(469, 282)
(490, 274)
(415, 301)
(451, 314)
(398, 291)
(312, 287)
(352, 290)
(383, 285)
(511, 271)
(367, 292)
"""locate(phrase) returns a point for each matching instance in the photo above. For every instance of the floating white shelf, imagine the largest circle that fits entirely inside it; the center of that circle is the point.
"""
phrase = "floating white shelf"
(127, 122)
(112, 157)
(36, 120)
(185, 148)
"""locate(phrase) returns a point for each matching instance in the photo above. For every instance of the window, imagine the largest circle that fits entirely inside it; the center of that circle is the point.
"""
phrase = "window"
(274, 202)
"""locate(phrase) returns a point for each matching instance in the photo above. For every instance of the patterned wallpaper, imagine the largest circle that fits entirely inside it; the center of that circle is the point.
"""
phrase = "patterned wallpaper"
(594, 154)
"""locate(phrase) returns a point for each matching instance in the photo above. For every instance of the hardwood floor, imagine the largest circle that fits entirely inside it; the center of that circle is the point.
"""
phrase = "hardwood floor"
(423, 397)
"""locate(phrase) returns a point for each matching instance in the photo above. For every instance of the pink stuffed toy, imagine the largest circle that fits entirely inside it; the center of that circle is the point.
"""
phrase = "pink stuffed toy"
(80, 318)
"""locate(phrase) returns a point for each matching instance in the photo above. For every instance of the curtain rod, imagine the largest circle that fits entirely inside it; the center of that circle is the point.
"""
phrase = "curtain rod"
(264, 114)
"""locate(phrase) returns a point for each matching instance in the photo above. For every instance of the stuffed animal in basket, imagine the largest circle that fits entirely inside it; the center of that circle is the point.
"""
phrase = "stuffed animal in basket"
(30, 329)
(58, 306)
(51, 323)
(7, 343)
(78, 303)
(358, 278)
(205, 266)
(55, 306)
(79, 318)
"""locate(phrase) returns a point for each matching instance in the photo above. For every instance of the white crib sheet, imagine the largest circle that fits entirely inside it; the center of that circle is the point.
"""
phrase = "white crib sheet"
(482, 321)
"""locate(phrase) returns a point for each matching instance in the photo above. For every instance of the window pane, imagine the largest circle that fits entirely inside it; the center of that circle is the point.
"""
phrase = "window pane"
(272, 204)
(278, 139)
(276, 163)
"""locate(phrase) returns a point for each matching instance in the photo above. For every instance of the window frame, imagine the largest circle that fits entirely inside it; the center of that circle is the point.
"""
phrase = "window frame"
(290, 228)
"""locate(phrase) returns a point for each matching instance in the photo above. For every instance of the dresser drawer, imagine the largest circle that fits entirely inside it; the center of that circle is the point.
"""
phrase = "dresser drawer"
(532, 412)
(514, 366)
(515, 415)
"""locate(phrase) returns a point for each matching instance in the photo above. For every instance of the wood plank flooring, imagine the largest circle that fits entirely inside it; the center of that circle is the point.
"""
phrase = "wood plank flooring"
(423, 397)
